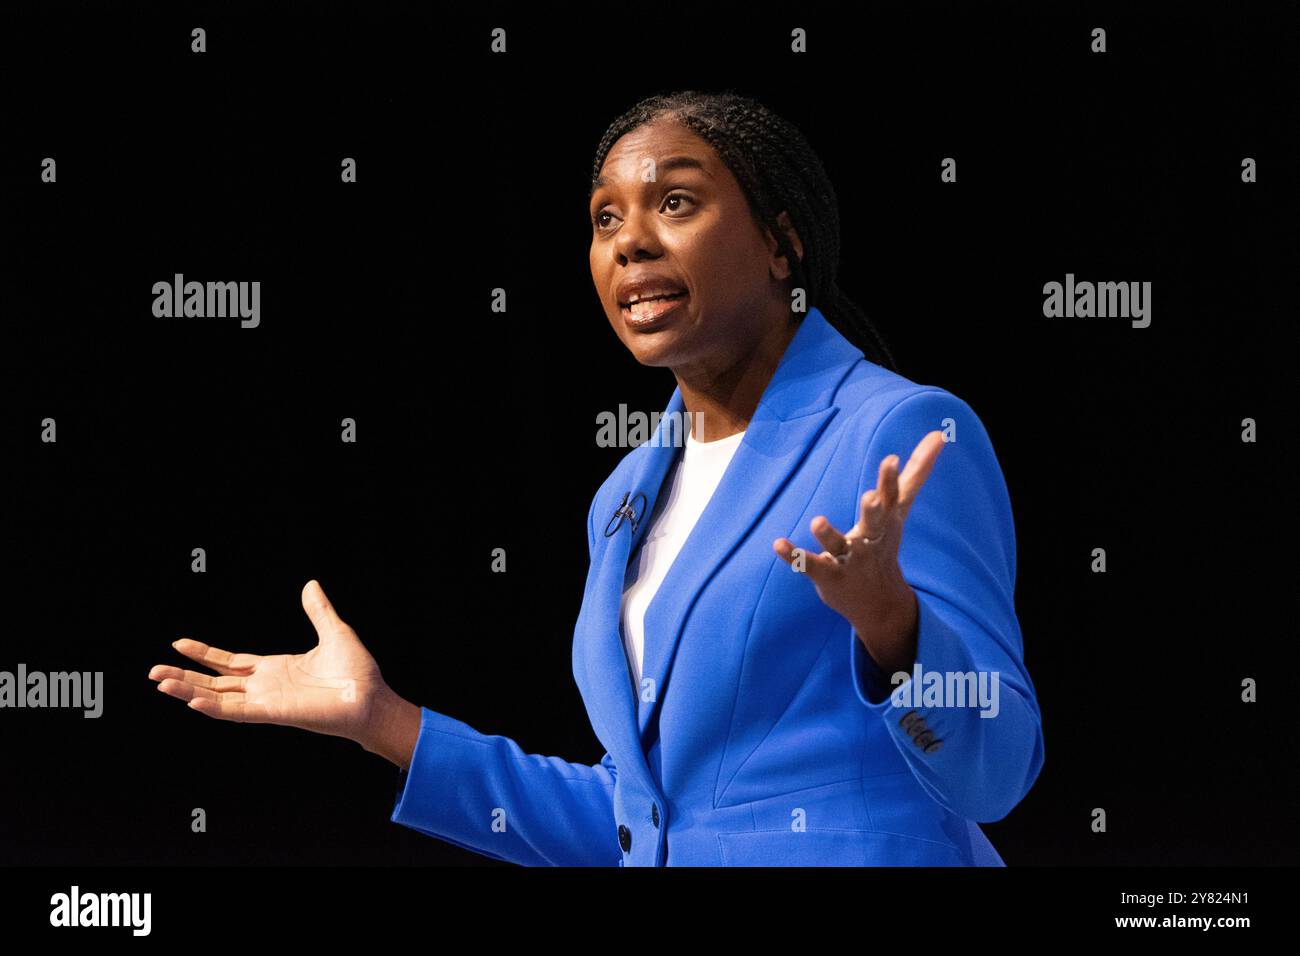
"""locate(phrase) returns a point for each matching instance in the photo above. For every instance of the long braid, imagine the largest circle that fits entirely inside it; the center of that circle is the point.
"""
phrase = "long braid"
(778, 172)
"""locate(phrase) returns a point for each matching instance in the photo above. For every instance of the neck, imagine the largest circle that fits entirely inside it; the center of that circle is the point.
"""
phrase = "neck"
(721, 397)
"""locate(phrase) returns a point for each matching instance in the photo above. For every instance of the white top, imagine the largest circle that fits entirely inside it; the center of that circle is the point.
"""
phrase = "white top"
(690, 484)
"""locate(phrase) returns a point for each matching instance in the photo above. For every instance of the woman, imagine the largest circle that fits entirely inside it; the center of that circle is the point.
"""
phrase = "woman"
(745, 710)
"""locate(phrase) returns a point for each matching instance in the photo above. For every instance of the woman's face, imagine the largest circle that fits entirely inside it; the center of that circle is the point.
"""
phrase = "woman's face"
(671, 226)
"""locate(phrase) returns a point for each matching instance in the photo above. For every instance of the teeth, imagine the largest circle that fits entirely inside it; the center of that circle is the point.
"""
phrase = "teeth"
(640, 297)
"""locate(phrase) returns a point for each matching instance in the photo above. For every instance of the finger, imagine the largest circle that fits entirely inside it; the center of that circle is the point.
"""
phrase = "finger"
(318, 608)
(919, 466)
(785, 550)
(830, 539)
(887, 482)
(223, 706)
(167, 672)
(228, 705)
(223, 662)
(184, 690)
(871, 514)
(819, 567)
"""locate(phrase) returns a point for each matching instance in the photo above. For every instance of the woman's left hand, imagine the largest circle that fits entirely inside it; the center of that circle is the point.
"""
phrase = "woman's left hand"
(858, 573)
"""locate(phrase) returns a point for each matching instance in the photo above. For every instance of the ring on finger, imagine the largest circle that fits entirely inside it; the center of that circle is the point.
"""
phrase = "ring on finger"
(843, 556)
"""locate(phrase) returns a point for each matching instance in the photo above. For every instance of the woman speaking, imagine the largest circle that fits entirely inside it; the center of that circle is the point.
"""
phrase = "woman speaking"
(795, 647)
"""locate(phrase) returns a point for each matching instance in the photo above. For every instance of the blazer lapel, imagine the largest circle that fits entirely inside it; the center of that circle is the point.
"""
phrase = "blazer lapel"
(599, 654)
(795, 408)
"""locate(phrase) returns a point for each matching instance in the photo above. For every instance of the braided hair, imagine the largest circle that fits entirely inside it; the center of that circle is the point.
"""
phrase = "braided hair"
(778, 172)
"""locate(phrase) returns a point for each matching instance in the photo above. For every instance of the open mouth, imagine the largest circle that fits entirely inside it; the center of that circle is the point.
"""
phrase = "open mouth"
(651, 308)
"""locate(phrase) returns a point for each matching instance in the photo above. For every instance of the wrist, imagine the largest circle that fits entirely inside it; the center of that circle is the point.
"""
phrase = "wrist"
(890, 636)
(392, 727)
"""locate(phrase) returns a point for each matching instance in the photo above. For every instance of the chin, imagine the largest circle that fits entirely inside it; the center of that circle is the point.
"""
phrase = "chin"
(655, 354)
(653, 359)
(648, 348)
(673, 345)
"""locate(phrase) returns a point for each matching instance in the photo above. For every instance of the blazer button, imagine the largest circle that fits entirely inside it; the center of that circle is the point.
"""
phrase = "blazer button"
(933, 746)
(654, 814)
(924, 739)
(625, 838)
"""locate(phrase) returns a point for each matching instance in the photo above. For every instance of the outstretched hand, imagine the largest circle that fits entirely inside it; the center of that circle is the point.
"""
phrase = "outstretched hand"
(858, 574)
(331, 689)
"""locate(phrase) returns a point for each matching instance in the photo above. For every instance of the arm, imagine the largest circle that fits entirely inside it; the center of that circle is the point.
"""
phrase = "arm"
(485, 794)
(958, 555)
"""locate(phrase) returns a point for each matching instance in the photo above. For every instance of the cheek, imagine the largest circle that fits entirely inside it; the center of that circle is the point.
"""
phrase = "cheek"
(601, 280)
(721, 261)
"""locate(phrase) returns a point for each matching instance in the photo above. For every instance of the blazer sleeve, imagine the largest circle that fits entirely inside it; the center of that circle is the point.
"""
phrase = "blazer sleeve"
(484, 793)
(959, 555)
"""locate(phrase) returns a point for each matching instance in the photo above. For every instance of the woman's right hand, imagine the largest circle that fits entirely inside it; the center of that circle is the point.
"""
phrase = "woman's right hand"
(335, 688)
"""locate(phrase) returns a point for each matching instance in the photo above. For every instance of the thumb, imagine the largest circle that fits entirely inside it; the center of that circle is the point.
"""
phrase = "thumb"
(319, 609)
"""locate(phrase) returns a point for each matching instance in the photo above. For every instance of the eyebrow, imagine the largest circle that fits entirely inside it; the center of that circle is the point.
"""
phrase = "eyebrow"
(667, 166)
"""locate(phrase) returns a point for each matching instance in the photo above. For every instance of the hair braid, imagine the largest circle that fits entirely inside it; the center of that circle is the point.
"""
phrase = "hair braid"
(778, 171)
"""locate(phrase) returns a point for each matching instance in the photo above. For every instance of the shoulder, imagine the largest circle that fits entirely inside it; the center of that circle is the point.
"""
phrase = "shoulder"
(877, 404)
(887, 414)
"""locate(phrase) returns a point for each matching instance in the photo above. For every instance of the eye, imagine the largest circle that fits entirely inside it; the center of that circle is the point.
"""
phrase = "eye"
(598, 219)
(679, 197)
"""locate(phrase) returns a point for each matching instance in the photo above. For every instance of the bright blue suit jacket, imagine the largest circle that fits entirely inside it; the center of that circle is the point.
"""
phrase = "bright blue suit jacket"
(763, 733)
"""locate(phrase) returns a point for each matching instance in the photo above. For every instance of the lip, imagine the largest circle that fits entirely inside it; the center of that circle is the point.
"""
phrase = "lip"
(646, 282)
(661, 317)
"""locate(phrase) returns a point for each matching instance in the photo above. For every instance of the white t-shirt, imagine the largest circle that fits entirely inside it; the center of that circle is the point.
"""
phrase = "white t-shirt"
(687, 489)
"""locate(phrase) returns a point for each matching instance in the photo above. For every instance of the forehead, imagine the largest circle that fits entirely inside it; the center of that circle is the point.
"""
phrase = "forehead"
(669, 144)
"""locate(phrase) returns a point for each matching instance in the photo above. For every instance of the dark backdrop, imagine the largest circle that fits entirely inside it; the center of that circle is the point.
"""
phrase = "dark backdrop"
(477, 430)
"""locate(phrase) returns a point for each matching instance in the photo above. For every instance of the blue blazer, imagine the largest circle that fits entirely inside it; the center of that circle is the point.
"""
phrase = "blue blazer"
(763, 734)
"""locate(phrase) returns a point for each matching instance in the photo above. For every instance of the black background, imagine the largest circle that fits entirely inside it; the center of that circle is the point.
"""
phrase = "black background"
(477, 430)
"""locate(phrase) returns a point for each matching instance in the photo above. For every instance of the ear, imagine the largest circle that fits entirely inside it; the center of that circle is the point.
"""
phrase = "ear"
(779, 267)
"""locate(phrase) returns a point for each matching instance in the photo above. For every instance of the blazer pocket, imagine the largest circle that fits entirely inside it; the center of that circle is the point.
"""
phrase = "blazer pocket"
(831, 847)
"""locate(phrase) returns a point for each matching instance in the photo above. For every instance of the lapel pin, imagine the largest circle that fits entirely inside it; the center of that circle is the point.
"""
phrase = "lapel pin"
(626, 510)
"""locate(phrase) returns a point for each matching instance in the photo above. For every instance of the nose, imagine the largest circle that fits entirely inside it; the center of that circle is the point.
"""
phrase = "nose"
(637, 238)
